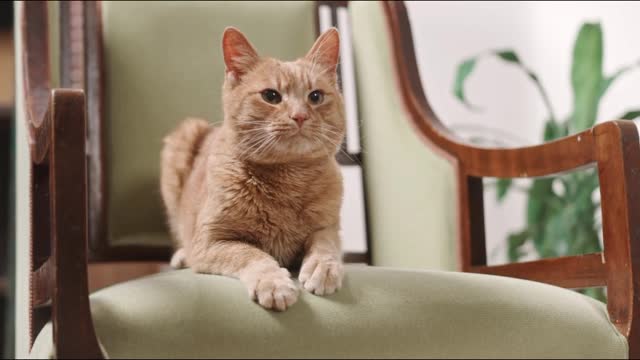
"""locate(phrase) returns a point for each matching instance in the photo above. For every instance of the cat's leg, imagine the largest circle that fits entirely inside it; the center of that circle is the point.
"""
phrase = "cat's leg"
(268, 283)
(179, 259)
(322, 271)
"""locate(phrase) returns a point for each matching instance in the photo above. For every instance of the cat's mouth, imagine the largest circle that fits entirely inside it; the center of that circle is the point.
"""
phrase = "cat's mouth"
(289, 132)
(298, 141)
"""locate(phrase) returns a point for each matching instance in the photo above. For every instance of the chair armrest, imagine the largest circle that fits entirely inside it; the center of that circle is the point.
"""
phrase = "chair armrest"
(613, 146)
(70, 312)
(59, 156)
(56, 120)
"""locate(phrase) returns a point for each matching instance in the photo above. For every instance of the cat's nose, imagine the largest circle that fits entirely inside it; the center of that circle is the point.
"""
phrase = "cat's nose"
(300, 118)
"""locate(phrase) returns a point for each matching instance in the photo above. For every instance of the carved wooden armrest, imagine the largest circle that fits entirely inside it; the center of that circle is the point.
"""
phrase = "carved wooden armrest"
(611, 146)
(56, 120)
(614, 147)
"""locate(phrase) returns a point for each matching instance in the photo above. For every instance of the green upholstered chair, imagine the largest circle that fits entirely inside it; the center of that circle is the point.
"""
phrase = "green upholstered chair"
(121, 74)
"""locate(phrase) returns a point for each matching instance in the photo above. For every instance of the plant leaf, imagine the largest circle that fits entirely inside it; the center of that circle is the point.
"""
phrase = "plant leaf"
(558, 232)
(630, 115)
(539, 192)
(606, 82)
(586, 76)
(464, 70)
(502, 187)
(554, 130)
(515, 242)
(539, 209)
(510, 56)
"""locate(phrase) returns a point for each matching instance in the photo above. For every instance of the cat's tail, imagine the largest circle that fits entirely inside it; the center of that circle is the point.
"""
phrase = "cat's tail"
(180, 149)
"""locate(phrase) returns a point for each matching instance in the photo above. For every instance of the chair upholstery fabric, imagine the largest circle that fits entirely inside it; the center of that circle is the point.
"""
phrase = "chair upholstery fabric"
(410, 188)
(380, 313)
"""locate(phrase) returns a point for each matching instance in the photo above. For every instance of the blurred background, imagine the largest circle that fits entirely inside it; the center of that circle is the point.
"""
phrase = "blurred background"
(509, 111)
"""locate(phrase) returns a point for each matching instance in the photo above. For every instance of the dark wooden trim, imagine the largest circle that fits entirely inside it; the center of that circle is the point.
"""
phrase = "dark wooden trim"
(618, 155)
(613, 146)
(356, 258)
(334, 3)
(70, 311)
(40, 215)
(572, 272)
(37, 77)
(56, 119)
(97, 132)
(471, 218)
(132, 253)
(41, 284)
(71, 44)
(39, 244)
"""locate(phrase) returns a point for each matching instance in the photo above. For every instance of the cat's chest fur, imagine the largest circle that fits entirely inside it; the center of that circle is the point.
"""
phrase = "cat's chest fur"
(275, 207)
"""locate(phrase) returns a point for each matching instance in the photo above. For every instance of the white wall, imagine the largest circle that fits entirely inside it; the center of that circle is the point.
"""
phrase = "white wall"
(542, 33)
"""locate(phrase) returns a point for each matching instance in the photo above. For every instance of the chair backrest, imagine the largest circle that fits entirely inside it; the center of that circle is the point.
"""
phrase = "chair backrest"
(162, 62)
(147, 65)
(411, 189)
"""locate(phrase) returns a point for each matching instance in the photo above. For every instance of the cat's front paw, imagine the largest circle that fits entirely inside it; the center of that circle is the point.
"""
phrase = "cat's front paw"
(321, 275)
(274, 290)
(179, 259)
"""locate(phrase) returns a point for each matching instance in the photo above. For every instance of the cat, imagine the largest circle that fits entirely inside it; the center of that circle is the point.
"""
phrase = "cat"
(261, 194)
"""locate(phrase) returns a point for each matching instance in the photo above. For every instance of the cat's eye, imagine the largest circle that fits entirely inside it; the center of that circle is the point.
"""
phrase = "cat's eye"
(271, 96)
(316, 97)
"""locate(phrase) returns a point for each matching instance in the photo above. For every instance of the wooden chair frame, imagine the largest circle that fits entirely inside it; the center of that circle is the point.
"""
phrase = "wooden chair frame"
(66, 193)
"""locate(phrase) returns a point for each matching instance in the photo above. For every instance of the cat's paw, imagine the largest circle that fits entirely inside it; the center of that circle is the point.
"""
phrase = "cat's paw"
(321, 275)
(179, 259)
(274, 290)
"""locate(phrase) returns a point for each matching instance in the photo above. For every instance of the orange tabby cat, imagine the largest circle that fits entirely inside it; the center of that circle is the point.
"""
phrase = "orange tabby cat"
(262, 192)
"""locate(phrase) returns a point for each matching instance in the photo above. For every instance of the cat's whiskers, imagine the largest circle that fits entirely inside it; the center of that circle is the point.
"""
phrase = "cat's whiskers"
(339, 146)
(253, 130)
(321, 145)
(335, 133)
(251, 125)
(285, 132)
(247, 146)
(271, 138)
(271, 145)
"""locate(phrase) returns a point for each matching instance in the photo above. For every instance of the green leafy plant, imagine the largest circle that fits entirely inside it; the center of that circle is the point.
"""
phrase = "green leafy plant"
(561, 211)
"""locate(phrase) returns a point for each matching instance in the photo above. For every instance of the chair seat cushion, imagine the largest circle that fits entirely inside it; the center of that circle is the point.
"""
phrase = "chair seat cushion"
(379, 313)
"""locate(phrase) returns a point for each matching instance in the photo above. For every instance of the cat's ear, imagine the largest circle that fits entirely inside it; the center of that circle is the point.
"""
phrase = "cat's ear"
(326, 50)
(239, 55)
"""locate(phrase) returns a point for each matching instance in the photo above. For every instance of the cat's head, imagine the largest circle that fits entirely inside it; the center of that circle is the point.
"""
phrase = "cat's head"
(280, 111)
